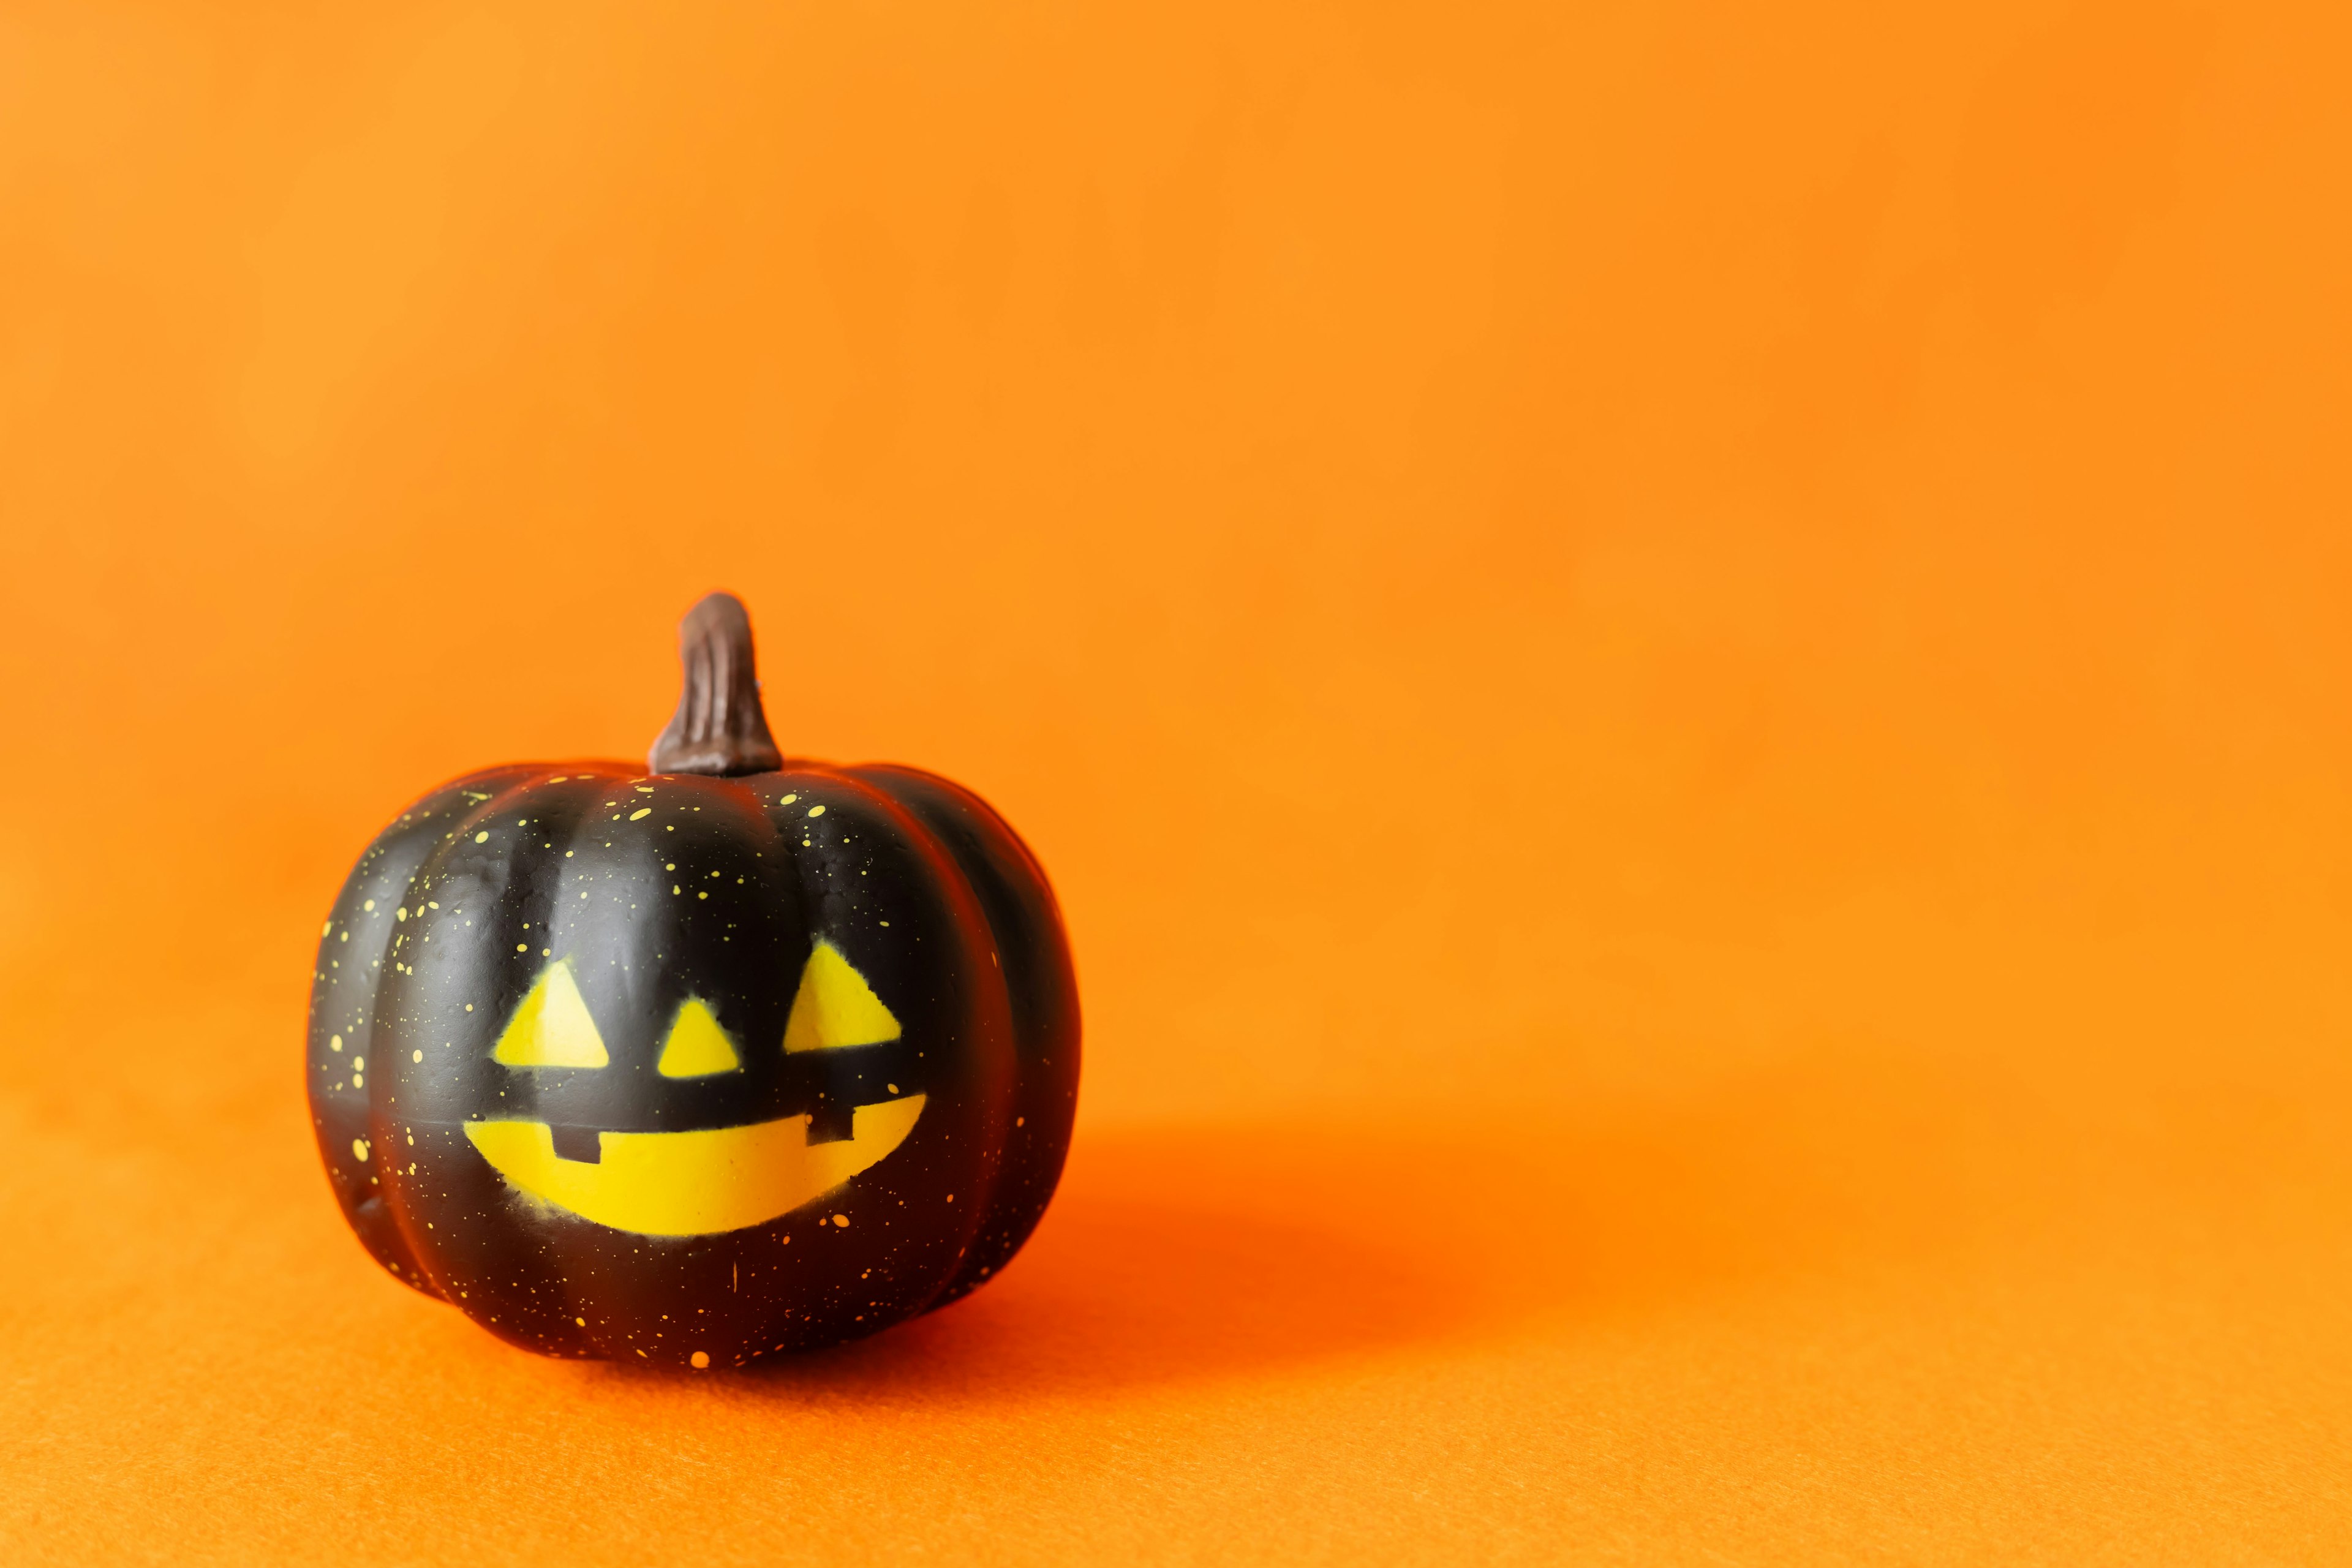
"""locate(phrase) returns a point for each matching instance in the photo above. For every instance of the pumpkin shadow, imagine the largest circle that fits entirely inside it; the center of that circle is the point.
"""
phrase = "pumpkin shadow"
(1198, 1254)
(1139, 1276)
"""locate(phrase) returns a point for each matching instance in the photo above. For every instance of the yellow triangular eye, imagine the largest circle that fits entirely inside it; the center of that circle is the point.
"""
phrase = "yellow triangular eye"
(697, 1046)
(552, 1028)
(836, 1006)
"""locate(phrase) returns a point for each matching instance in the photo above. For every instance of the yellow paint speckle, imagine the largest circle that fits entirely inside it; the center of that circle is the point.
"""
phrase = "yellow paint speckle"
(788, 800)
(641, 811)
(891, 1087)
(470, 1006)
(582, 1322)
(522, 947)
(334, 1042)
(401, 914)
(702, 895)
(643, 789)
(698, 1360)
(842, 1220)
(419, 1056)
(325, 928)
(359, 1148)
(483, 837)
(816, 811)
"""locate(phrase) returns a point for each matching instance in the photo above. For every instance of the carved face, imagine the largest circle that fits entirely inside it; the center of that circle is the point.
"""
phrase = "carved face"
(674, 1066)
(701, 1180)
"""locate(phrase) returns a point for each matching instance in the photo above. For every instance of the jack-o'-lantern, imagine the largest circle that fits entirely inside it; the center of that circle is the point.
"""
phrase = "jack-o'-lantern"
(696, 1063)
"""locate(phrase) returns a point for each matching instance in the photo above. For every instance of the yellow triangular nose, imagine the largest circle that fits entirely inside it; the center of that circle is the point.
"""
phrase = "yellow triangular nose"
(697, 1046)
(834, 1006)
(552, 1028)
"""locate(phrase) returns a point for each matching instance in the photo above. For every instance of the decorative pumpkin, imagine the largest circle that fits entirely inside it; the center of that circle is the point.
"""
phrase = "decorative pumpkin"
(697, 1064)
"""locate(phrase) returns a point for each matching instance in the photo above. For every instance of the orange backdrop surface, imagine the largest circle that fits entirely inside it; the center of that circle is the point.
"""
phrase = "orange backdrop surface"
(1684, 669)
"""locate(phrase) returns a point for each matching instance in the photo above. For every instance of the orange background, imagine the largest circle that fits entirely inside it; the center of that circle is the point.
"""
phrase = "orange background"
(1684, 669)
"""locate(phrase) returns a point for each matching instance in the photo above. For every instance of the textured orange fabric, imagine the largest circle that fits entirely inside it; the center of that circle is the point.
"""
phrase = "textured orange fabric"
(1683, 668)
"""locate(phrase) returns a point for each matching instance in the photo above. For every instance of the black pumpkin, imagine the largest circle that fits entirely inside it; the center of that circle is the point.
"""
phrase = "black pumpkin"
(696, 1065)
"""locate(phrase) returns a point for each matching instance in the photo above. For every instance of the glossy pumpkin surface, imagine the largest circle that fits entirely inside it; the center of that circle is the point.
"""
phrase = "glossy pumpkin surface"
(693, 1069)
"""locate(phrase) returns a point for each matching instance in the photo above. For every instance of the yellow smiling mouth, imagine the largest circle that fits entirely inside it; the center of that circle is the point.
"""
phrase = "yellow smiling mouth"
(698, 1183)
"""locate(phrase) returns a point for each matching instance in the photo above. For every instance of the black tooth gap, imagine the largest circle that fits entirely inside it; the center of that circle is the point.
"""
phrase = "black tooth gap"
(833, 1121)
(581, 1144)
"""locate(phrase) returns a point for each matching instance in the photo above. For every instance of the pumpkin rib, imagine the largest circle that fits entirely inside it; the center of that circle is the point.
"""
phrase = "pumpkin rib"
(949, 875)
(384, 874)
(1041, 981)
(555, 1333)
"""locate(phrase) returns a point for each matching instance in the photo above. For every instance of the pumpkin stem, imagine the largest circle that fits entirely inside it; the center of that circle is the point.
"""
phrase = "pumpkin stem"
(719, 727)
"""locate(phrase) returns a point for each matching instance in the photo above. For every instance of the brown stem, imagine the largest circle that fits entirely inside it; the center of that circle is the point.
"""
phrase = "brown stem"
(719, 727)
